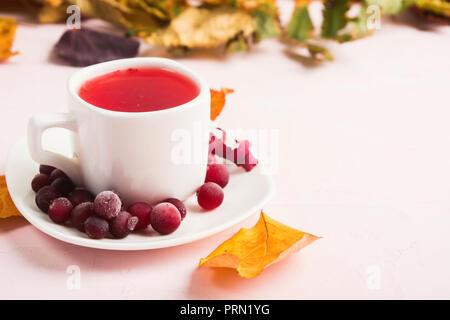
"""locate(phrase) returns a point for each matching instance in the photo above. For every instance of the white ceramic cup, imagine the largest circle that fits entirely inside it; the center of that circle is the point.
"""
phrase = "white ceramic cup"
(131, 153)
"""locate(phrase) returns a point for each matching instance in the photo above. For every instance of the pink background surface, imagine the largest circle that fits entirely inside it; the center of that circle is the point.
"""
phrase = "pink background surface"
(364, 161)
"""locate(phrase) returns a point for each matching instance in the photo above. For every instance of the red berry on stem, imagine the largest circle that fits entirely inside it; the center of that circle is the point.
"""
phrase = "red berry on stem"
(217, 173)
(165, 218)
(96, 227)
(55, 174)
(40, 180)
(142, 211)
(80, 213)
(46, 169)
(122, 225)
(179, 205)
(107, 205)
(210, 196)
(79, 196)
(45, 196)
(63, 185)
(59, 210)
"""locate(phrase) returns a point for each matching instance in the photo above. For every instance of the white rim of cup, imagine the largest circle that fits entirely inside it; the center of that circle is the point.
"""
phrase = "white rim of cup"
(77, 79)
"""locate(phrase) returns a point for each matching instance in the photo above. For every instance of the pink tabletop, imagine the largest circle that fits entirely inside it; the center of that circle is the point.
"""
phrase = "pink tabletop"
(363, 160)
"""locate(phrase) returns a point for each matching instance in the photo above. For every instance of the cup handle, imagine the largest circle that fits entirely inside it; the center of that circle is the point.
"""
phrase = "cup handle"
(36, 127)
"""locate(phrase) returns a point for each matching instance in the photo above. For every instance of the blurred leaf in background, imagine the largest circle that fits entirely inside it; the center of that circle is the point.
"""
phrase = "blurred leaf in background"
(435, 8)
(204, 28)
(181, 25)
(8, 28)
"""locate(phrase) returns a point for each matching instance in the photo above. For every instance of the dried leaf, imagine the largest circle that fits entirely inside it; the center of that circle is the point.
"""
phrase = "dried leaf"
(123, 14)
(251, 250)
(436, 7)
(204, 28)
(318, 53)
(84, 47)
(7, 207)
(357, 27)
(52, 12)
(390, 7)
(162, 9)
(48, 11)
(239, 43)
(266, 21)
(243, 4)
(218, 101)
(8, 28)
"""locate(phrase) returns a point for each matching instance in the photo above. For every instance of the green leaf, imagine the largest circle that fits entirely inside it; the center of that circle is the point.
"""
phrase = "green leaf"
(319, 53)
(359, 26)
(237, 45)
(266, 21)
(334, 17)
(300, 27)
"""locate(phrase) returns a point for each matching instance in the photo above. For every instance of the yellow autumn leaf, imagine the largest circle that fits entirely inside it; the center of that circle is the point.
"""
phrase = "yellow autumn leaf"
(204, 28)
(7, 207)
(125, 14)
(218, 101)
(251, 250)
(8, 28)
(244, 4)
(439, 7)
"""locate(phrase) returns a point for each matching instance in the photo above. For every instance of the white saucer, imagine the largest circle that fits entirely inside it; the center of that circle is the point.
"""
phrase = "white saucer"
(245, 194)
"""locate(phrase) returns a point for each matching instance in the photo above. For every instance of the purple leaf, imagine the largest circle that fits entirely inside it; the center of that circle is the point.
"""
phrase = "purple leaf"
(83, 47)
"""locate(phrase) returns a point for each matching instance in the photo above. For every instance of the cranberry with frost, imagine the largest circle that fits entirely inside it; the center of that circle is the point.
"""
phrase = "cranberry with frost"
(46, 169)
(107, 205)
(165, 218)
(63, 185)
(96, 227)
(80, 213)
(57, 173)
(45, 196)
(142, 211)
(79, 196)
(122, 225)
(40, 180)
(179, 205)
(210, 196)
(217, 173)
(59, 210)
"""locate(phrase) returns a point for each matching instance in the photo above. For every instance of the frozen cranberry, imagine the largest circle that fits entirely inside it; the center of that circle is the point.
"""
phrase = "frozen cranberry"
(46, 169)
(217, 173)
(179, 205)
(55, 174)
(165, 218)
(80, 213)
(63, 185)
(40, 180)
(59, 210)
(107, 205)
(45, 196)
(122, 225)
(96, 227)
(210, 196)
(142, 211)
(79, 196)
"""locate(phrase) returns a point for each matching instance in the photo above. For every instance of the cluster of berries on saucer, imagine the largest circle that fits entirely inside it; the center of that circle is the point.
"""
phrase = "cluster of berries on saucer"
(104, 215)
